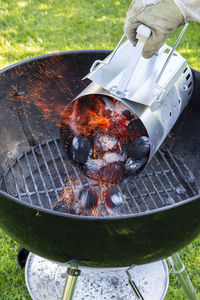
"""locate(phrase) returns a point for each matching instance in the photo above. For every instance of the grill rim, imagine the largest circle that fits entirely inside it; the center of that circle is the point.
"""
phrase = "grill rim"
(67, 215)
(92, 218)
(49, 55)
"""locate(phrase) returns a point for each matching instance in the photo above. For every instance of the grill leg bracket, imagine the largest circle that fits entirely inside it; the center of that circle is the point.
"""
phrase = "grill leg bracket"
(178, 268)
(133, 285)
(72, 274)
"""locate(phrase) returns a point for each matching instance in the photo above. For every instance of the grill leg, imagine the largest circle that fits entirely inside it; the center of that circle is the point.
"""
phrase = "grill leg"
(179, 269)
(133, 285)
(72, 274)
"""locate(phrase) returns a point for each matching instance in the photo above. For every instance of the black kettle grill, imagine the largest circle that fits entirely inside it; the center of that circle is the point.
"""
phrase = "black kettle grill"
(161, 211)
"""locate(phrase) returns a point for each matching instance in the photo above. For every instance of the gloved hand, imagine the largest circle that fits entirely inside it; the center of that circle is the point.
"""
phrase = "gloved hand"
(162, 16)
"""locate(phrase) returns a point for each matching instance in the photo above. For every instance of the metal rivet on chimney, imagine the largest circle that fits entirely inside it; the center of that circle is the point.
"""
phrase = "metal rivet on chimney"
(185, 87)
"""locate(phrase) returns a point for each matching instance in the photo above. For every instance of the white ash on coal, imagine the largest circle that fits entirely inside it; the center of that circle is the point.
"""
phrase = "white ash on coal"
(114, 201)
(105, 142)
(92, 167)
(114, 157)
(133, 166)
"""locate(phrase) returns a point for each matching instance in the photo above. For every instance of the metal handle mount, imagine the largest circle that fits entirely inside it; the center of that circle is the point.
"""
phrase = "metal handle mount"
(143, 32)
(161, 90)
(102, 62)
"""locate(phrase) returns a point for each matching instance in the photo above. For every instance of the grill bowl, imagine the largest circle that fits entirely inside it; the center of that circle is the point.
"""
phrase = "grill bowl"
(33, 95)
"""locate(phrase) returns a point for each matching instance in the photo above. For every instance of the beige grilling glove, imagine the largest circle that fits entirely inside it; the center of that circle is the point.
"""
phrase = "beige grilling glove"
(162, 16)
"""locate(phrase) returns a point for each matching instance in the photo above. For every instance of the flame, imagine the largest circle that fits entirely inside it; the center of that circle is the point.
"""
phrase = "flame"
(89, 115)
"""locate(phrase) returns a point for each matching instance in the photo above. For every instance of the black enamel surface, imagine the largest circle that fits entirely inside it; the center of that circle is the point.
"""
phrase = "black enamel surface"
(54, 80)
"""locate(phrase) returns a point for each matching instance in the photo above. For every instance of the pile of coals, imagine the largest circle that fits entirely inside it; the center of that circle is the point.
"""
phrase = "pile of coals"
(104, 138)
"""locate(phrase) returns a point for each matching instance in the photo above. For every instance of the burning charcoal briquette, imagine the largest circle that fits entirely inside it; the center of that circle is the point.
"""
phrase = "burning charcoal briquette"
(139, 148)
(128, 115)
(124, 144)
(92, 167)
(113, 201)
(88, 198)
(81, 149)
(105, 142)
(135, 165)
(136, 129)
(112, 172)
(113, 156)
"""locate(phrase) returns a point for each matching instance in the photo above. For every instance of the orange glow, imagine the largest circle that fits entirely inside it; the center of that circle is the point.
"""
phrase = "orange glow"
(95, 116)
(70, 197)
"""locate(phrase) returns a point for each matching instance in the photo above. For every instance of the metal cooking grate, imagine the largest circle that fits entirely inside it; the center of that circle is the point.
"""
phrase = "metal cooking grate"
(41, 175)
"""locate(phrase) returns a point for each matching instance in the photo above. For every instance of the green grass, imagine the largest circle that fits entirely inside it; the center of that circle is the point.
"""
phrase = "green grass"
(29, 28)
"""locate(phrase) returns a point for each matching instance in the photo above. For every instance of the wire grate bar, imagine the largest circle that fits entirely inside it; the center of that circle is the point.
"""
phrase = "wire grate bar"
(66, 172)
(119, 189)
(5, 183)
(140, 196)
(16, 185)
(43, 176)
(24, 181)
(33, 179)
(148, 192)
(172, 171)
(48, 171)
(144, 195)
(154, 187)
(160, 181)
(55, 165)
(180, 171)
(168, 179)
(74, 169)
(132, 196)
(142, 175)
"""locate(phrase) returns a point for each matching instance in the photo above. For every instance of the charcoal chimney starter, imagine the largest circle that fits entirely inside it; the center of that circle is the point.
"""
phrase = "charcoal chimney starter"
(156, 90)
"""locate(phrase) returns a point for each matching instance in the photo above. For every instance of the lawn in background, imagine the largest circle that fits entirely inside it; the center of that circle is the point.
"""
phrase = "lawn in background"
(31, 28)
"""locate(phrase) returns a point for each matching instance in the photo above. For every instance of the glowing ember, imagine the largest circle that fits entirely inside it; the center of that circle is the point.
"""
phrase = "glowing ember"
(100, 134)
